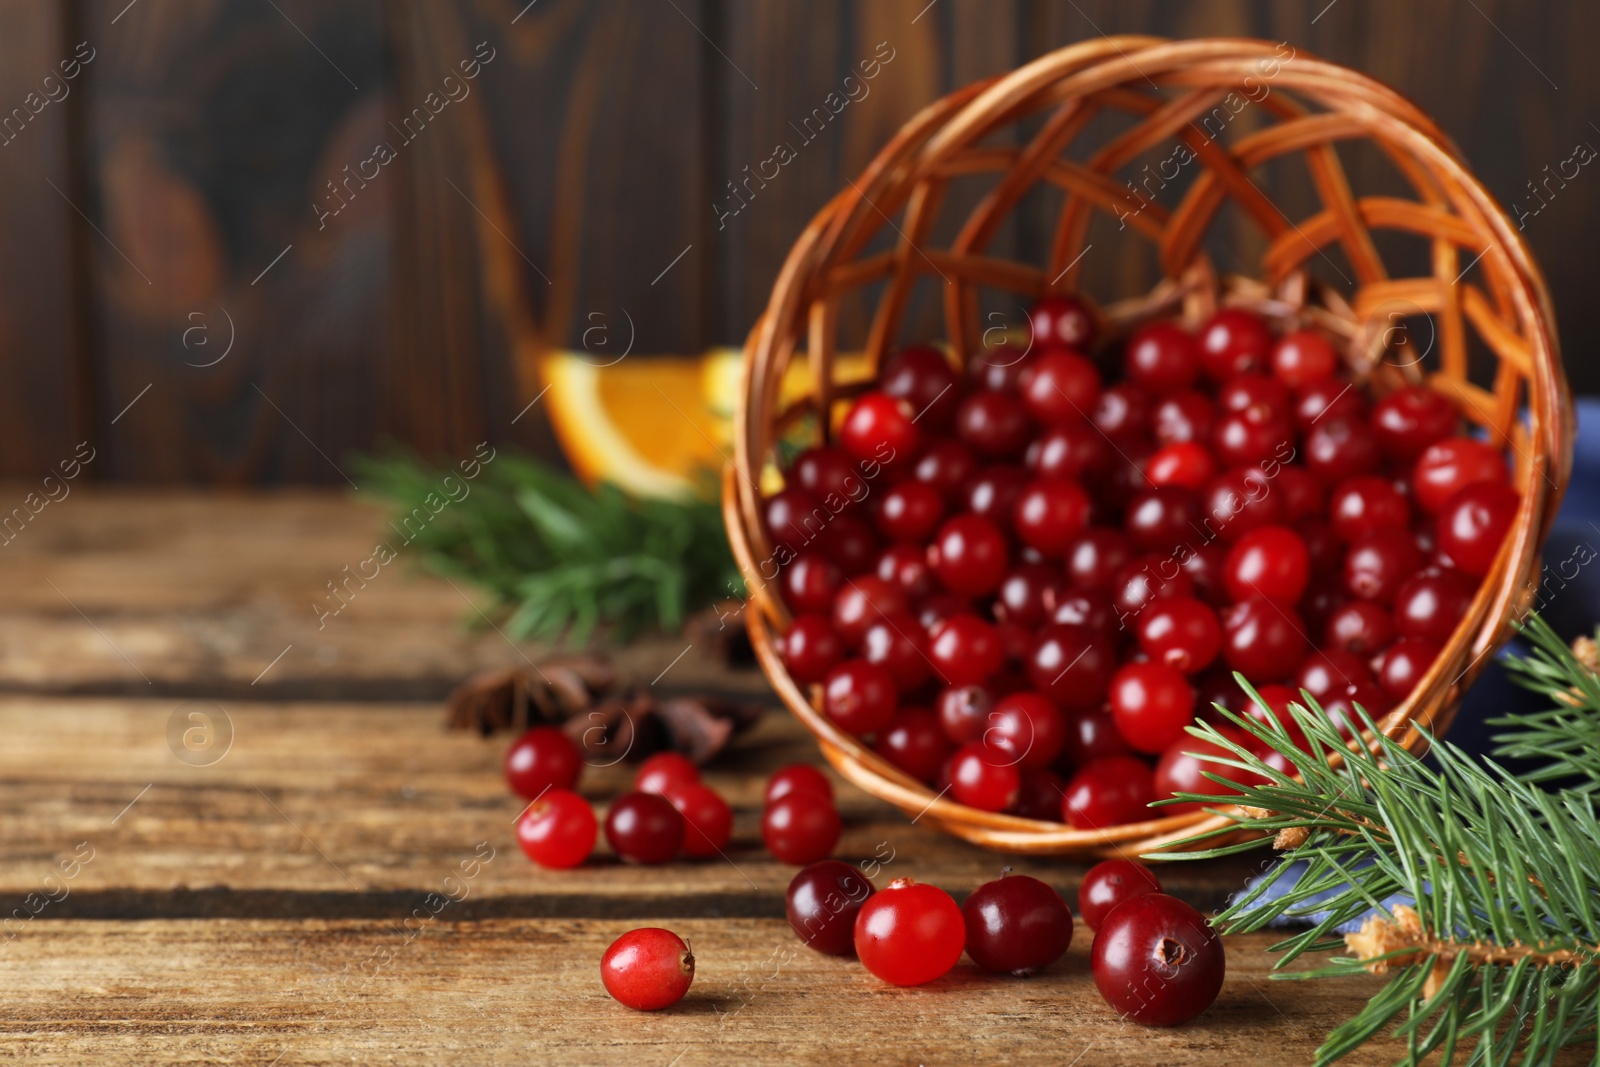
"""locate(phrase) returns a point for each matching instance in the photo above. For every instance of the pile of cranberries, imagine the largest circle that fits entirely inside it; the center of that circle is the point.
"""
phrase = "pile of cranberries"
(1020, 583)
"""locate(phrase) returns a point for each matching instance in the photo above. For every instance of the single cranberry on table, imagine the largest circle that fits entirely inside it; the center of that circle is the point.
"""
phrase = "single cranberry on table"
(1410, 419)
(647, 969)
(811, 648)
(983, 777)
(909, 933)
(822, 903)
(798, 778)
(1431, 603)
(878, 427)
(1378, 564)
(644, 828)
(1262, 640)
(1269, 561)
(707, 819)
(800, 827)
(1060, 320)
(1302, 358)
(1474, 522)
(1162, 357)
(558, 830)
(859, 697)
(1016, 925)
(664, 770)
(1180, 632)
(863, 601)
(1110, 882)
(542, 758)
(969, 555)
(1110, 791)
(915, 742)
(1059, 386)
(1446, 467)
(1151, 704)
(1072, 665)
(927, 381)
(1027, 729)
(1157, 961)
(1183, 769)
(895, 643)
(1049, 514)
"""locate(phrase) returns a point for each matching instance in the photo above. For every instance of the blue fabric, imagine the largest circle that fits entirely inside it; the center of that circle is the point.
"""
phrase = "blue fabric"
(1569, 604)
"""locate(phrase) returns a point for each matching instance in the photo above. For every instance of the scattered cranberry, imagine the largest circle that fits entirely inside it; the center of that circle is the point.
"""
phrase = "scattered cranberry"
(708, 821)
(1157, 961)
(800, 827)
(1108, 792)
(644, 828)
(1110, 882)
(822, 903)
(557, 830)
(1016, 925)
(798, 778)
(647, 969)
(909, 933)
(543, 758)
(663, 771)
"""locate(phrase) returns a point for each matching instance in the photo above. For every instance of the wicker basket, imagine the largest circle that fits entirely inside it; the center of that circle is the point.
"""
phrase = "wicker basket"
(1482, 283)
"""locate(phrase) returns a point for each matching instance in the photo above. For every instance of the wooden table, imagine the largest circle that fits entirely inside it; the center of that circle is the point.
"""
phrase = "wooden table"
(261, 906)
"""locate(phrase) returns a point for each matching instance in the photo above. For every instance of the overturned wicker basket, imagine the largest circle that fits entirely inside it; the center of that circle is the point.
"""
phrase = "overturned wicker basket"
(1482, 291)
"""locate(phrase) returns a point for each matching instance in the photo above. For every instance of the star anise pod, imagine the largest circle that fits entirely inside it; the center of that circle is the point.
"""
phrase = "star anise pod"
(517, 698)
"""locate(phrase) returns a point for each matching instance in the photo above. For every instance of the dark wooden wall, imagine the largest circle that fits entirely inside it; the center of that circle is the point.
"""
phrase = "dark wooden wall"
(144, 212)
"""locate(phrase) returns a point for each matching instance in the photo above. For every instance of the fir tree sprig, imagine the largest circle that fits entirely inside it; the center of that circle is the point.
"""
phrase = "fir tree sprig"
(1486, 887)
(1567, 736)
(565, 560)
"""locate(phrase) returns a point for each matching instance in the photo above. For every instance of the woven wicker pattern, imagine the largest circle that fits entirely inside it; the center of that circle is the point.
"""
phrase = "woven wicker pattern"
(1482, 283)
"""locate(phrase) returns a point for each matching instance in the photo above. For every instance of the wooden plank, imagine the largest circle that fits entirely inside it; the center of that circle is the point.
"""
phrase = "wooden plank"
(257, 992)
(43, 387)
(320, 810)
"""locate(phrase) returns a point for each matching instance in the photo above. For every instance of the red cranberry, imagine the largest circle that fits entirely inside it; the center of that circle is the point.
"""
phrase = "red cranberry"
(1337, 449)
(798, 778)
(1184, 416)
(878, 427)
(829, 475)
(995, 424)
(1332, 398)
(811, 582)
(1473, 524)
(800, 827)
(1184, 465)
(850, 542)
(822, 903)
(1245, 391)
(1449, 466)
(1069, 451)
(1325, 595)
(542, 758)
(1071, 665)
(1039, 795)
(1162, 357)
(909, 511)
(1151, 704)
(1256, 435)
(998, 369)
(914, 742)
(1016, 925)
(859, 697)
(1269, 562)
(1378, 564)
(983, 777)
(965, 650)
(1027, 729)
(969, 555)
(1049, 514)
(905, 566)
(1323, 546)
(1302, 358)
(1360, 627)
(1122, 478)
(707, 819)
(910, 933)
(964, 712)
(1122, 412)
(936, 607)
(1180, 632)
(1095, 558)
(811, 648)
(1145, 579)
(1028, 592)
(862, 602)
(664, 770)
(1059, 386)
(1430, 604)
(924, 379)
(1109, 792)
(894, 642)
(1410, 419)
(1262, 640)
(647, 969)
(1330, 674)
(992, 493)
(1156, 960)
(1366, 503)
(557, 830)
(1061, 320)
(794, 518)
(1403, 664)
(1110, 882)
(644, 828)
(1091, 735)
(1300, 492)
(1162, 518)
(947, 466)
(1240, 500)
(1234, 341)
(1203, 565)
(1091, 608)
(1183, 769)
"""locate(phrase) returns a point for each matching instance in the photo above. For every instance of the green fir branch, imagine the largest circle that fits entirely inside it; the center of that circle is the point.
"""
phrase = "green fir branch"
(1499, 958)
(564, 561)
(1567, 736)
